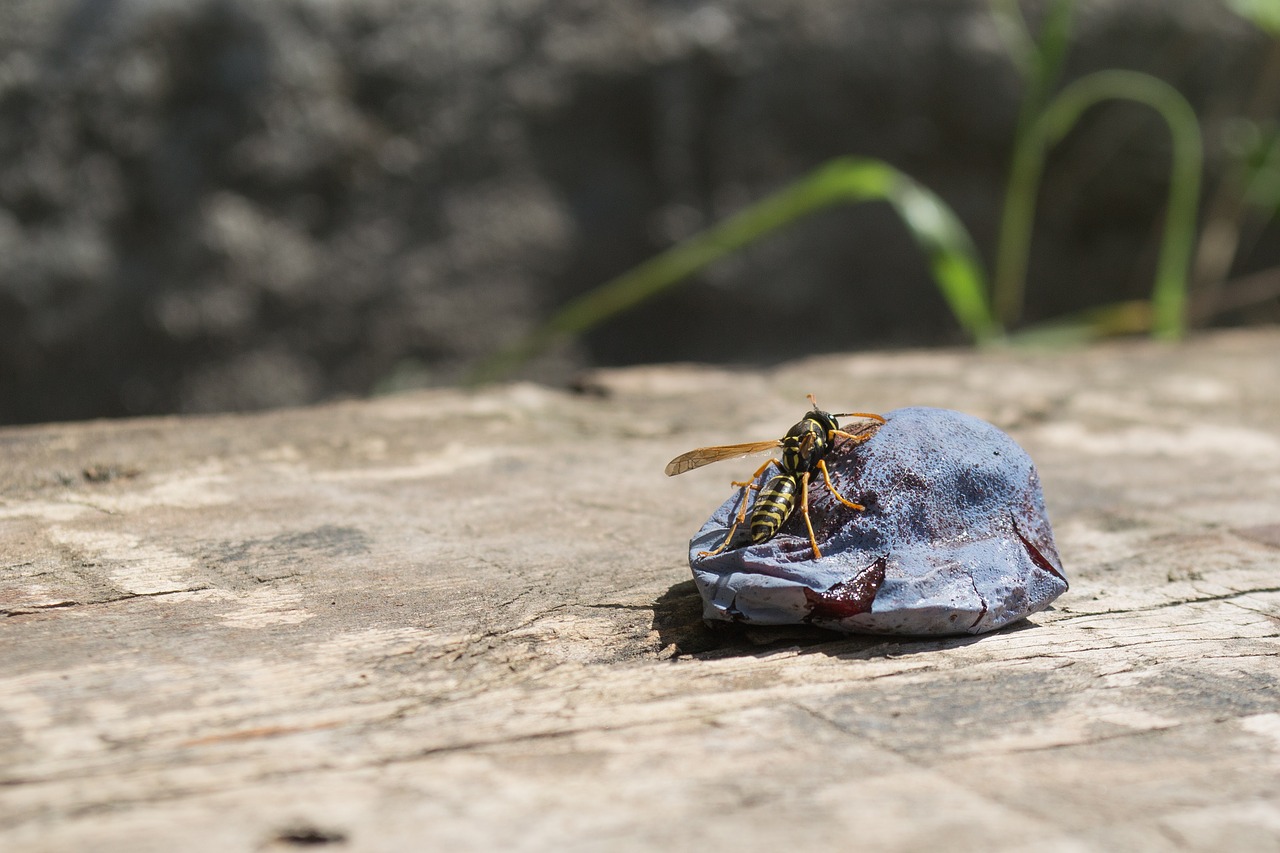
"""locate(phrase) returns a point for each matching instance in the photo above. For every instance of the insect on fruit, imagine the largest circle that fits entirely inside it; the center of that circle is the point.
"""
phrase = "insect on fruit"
(803, 449)
(959, 541)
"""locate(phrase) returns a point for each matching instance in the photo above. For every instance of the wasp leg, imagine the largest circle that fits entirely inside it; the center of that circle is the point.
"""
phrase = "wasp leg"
(742, 516)
(822, 466)
(856, 439)
(804, 508)
(742, 507)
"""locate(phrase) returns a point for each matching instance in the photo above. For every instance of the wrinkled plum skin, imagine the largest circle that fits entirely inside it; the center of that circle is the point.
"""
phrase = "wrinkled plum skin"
(954, 538)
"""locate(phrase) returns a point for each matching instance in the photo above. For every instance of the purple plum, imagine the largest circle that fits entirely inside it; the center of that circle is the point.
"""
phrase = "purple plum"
(953, 539)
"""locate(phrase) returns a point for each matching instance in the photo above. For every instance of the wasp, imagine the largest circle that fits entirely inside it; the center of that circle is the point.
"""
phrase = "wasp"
(803, 449)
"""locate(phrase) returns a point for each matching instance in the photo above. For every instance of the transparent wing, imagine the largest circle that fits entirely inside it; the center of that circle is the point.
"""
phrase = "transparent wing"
(707, 455)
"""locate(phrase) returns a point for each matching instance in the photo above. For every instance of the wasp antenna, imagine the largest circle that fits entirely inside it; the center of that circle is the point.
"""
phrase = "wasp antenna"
(869, 415)
(813, 401)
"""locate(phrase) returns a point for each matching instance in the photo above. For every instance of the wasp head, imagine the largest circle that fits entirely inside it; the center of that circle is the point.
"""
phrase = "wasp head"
(825, 420)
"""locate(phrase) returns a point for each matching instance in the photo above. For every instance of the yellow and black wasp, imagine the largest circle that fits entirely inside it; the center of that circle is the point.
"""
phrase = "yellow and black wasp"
(803, 449)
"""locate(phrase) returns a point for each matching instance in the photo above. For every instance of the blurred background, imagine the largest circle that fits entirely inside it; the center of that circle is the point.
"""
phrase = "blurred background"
(219, 205)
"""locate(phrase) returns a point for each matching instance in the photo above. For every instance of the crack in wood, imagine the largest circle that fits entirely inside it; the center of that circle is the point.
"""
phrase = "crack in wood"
(1149, 731)
(1068, 616)
(1163, 640)
(62, 605)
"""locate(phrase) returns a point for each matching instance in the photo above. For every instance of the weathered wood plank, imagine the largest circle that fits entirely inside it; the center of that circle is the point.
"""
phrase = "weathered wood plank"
(463, 621)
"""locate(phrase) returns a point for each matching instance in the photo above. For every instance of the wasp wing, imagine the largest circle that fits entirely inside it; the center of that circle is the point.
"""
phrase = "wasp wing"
(707, 455)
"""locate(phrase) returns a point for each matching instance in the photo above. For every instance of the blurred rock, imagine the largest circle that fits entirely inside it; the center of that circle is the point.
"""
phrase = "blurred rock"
(357, 193)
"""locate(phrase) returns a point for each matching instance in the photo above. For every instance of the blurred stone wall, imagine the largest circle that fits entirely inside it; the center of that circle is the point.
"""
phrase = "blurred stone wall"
(214, 205)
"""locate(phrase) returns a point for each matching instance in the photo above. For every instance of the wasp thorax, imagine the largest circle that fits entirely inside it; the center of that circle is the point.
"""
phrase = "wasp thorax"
(804, 444)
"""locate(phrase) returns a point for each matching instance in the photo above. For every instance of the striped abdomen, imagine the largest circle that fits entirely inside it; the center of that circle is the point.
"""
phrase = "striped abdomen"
(773, 506)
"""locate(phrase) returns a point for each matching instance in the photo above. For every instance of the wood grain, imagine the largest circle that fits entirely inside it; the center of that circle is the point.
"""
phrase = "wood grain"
(462, 621)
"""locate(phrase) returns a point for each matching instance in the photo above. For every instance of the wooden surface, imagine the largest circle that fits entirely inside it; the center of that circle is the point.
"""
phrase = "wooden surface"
(453, 621)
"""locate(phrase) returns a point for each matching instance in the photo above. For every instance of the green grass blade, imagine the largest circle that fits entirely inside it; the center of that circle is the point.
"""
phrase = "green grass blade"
(1041, 67)
(1013, 31)
(1055, 38)
(1169, 294)
(953, 259)
(846, 180)
(1103, 321)
(1264, 13)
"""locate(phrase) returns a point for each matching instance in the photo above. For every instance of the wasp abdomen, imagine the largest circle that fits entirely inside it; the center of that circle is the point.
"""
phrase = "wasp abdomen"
(773, 506)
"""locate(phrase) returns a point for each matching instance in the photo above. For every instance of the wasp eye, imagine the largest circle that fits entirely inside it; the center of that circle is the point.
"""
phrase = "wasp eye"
(826, 421)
